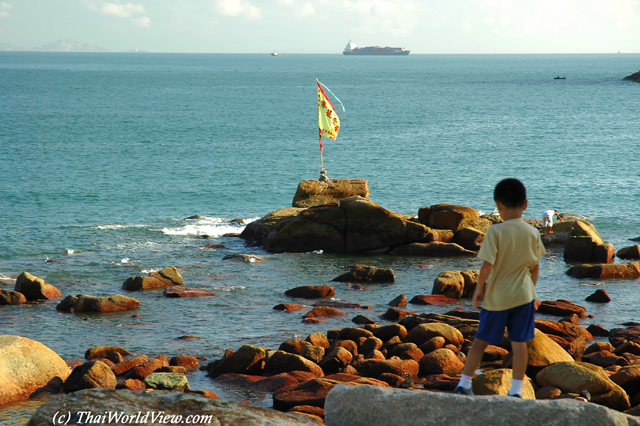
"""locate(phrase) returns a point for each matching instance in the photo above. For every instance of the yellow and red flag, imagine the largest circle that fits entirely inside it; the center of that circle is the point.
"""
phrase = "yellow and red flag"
(328, 121)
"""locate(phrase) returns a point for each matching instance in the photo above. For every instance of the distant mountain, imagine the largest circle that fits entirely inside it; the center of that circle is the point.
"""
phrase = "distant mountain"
(6, 47)
(67, 45)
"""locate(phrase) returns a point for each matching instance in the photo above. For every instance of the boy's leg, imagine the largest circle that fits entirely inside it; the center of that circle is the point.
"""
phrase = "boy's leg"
(474, 357)
(520, 359)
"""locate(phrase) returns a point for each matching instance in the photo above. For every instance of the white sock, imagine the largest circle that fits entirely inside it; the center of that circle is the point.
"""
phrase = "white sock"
(465, 381)
(516, 387)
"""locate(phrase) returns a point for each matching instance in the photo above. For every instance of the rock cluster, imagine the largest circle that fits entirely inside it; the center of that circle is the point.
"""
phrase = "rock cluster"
(28, 288)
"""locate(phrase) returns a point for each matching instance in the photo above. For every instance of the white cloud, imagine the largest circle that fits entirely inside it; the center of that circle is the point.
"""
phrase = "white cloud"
(143, 22)
(5, 9)
(122, 10)
(394, 17)
(239, 8)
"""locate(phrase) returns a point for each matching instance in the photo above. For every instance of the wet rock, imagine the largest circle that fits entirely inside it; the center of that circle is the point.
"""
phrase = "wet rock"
(399, 302)
(369, 274)
(89, 303)
(248, 359)
(585, 245)
(606, 271)
(561, 308)
(146, 368)
(288, 307)
(599, 296)
(25, 366)
(432, 299)
(161, 403)
(128, 364)
(450, 284)
(181, 291)
(574, 377)
(318, 339)
(35, 288)
(469, 238)
(315, 193)
(91, 374)
(498, 382)
(166, 277)
(629, 253)
(394, 314)
(188, 362)
(432, 249)
(104, 351)
(243, 258)
(311, 291)
(10, 297)
(322, 311)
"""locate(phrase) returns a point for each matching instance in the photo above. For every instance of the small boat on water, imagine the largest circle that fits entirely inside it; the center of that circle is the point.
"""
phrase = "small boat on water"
(560, 78)
(275, 54)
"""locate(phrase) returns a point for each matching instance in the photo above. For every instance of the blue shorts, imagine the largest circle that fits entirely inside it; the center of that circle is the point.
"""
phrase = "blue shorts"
(519, 321)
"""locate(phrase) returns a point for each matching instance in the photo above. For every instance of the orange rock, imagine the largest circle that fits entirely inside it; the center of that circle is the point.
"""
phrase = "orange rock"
(322, 311)
(126, 365)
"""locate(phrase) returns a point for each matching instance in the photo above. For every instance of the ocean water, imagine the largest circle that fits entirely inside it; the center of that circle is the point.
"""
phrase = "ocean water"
(103, 156)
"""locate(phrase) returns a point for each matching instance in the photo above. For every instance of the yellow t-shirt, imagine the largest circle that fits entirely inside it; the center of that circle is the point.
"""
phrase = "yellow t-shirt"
(513, 248)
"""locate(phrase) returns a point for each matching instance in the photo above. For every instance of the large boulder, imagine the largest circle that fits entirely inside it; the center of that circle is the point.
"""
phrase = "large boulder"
(449, 216)
(346, 405)
(424, 332)
(352, 225)
(498, 382)
(606, 271)
(89, 303)
(314, 192)
(166, 277)
(585, 245)
(575, 377)
(629, 253)
(542, 351)
(249, 359)
(158, 407)
(91, 374)
(35, 288)
(25, 366)
(10, 297)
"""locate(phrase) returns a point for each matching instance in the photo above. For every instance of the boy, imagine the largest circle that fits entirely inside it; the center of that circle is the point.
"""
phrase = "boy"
(547, 221)
(506, 286)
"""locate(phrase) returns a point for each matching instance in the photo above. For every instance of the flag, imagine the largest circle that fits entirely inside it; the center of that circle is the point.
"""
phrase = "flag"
(328, 121)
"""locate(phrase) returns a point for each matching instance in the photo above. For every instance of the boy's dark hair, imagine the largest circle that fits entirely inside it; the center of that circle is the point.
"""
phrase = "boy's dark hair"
(511, 193)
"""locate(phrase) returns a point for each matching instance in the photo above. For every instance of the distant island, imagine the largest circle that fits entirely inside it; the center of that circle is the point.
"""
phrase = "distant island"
(64, 45)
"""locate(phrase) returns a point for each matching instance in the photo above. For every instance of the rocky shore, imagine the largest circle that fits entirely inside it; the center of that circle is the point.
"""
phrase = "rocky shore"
(408, 354)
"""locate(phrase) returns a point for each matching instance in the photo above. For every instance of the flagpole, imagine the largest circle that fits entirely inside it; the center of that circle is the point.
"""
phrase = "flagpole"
(323, 173)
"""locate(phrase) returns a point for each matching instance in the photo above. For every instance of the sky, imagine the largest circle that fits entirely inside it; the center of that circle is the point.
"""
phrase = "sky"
(325, 26)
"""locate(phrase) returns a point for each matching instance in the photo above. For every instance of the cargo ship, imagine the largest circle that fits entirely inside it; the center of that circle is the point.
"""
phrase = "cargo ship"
(353, 49)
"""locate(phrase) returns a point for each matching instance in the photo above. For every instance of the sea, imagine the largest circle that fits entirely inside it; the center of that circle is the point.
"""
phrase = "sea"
(104, 156)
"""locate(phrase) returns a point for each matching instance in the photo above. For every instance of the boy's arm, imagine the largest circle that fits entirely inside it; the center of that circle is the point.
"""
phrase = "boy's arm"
(535, 273)
(478, 295)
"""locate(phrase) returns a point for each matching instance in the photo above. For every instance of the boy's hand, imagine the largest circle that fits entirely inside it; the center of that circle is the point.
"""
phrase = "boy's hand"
(478, 295)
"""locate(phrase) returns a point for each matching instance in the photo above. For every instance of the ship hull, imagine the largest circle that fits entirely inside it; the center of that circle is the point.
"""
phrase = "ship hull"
(377, 53)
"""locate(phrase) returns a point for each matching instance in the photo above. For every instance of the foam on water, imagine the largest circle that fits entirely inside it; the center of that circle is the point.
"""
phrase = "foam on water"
(212, 227)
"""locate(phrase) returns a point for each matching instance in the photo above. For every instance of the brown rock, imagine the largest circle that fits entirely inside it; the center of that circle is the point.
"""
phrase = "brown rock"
(599, 296)
(432, 299)
(498, 382)
(128, 364)
(394, 314)
(104, 351)
(407, 368)
(627, 347)
(424, 332)
(313, 353)
(432, 344)
(26, 366)
(604, 359)
(628, 378)
(181, 291)
(146, 368)
(322, 311)
(441, 361)
(91, 374)
(606, 271)
(294, 346)
(89, 303)
(10, 297)
(386, 332)
(597, 330)
(311, 291)
(132, 384)
(282, 362)
(260, 383)
(453, 217)
(307, 409)
(318, 339)
(188, 362)
(353, 333)
(166, 277)
(618, 336)
(369, 345)
(542, 352)
(35, 288)
(469, 238)
(289, 307)
(450, 284)
(399, 302)
(369, 274)
(314, 392)
(336, 360)
(432, 249)
(598, 346)
(248, 359)
(629, 253)
(315, 193)
(561, 308)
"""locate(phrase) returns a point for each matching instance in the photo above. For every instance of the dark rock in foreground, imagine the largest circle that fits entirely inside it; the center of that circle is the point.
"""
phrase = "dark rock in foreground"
(176, 406)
